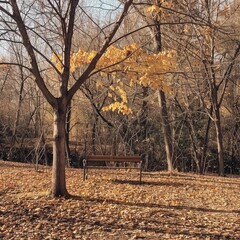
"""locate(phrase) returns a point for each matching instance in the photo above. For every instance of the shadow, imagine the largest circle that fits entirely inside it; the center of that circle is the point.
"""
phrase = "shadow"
(118, 181)
(8, 164)
(156, 227)
(6, 190)
(23, 165)
(55, 215)
(150, 205)
(193, 176)
(131, 182)
(198, 180)
(2, 192)
(49, 215)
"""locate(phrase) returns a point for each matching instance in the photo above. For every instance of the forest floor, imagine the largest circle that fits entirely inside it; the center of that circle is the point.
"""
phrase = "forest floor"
(112, 205)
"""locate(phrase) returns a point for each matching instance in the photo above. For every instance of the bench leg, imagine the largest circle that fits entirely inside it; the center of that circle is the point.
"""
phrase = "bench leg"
(140, 173)
(84, 169)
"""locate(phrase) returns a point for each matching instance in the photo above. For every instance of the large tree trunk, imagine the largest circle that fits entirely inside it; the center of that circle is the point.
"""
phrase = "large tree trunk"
(59, 134)
(67, 137)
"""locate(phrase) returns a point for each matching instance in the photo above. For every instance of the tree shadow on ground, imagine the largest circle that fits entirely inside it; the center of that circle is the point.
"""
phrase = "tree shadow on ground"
(178, 177)
(180, 180)
(160, 219)
(135, 182)
(168, 224)
(151, 205)
(174, 184)
(21, 165)
(205, 178)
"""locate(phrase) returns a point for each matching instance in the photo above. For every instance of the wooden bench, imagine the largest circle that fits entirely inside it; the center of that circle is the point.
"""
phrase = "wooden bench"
(114, 159)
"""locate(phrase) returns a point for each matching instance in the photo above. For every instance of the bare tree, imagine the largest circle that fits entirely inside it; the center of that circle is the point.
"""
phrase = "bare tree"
(210, 64)
(53, 22)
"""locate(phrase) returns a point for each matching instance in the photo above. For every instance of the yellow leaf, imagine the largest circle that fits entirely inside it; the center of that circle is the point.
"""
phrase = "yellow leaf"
(154, 9)
(99, 84)
(112, 87)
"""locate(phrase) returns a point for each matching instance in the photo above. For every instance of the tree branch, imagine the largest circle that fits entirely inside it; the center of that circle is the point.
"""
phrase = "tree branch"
(27, 43)
(95, 60)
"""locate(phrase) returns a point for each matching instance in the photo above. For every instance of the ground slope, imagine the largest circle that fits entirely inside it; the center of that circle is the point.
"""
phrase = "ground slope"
(112, 205)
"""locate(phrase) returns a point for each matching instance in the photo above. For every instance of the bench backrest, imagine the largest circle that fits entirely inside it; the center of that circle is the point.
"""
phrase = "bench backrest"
(109, 158)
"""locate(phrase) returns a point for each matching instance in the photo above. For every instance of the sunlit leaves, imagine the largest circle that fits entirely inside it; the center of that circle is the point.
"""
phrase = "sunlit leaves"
(154, 9)
(57, 60)
(131, 63)
(159, 11)
(121, 105)
(118, 106)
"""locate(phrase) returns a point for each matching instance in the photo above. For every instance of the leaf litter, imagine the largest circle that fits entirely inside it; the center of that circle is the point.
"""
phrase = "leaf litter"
(112, 205)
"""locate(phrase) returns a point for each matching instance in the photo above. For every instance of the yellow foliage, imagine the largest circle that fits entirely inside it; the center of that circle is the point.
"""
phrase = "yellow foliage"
(207, 33)
(112, 88)
(159, 11)
(99, 84)
(121, 107)
(130, 62)
(186, 28)
(57, 60)
(77, 59)
(154, 9)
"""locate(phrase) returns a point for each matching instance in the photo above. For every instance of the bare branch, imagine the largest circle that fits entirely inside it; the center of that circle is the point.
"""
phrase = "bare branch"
(27, 43)
(94, 61)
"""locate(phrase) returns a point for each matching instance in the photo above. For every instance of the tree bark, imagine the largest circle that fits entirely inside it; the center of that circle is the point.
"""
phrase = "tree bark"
(219, 142)
(162, 100)
(166, 129)
(205, 146)
(59, 134)
(67, 138)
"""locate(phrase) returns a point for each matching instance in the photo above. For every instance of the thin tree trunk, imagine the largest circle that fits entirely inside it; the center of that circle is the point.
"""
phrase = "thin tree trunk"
(219, 142)
(17, 117)
(162, 101)
(218, 127)
(37, 124)
(94, 132)
(205, 146)
(234, 143)
(143, 134)
(166, 129)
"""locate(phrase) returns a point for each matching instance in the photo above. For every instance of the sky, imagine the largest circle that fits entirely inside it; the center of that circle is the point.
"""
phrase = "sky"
(103, 10)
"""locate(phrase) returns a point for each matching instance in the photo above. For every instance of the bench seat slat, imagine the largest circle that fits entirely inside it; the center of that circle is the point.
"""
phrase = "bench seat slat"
(107, 167)
(114, 158)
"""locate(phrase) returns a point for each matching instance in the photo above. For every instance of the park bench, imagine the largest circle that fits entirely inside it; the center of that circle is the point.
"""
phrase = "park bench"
(133, 160)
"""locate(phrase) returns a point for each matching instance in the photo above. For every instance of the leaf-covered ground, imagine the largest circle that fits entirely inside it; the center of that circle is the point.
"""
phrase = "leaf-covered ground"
(112, 205)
